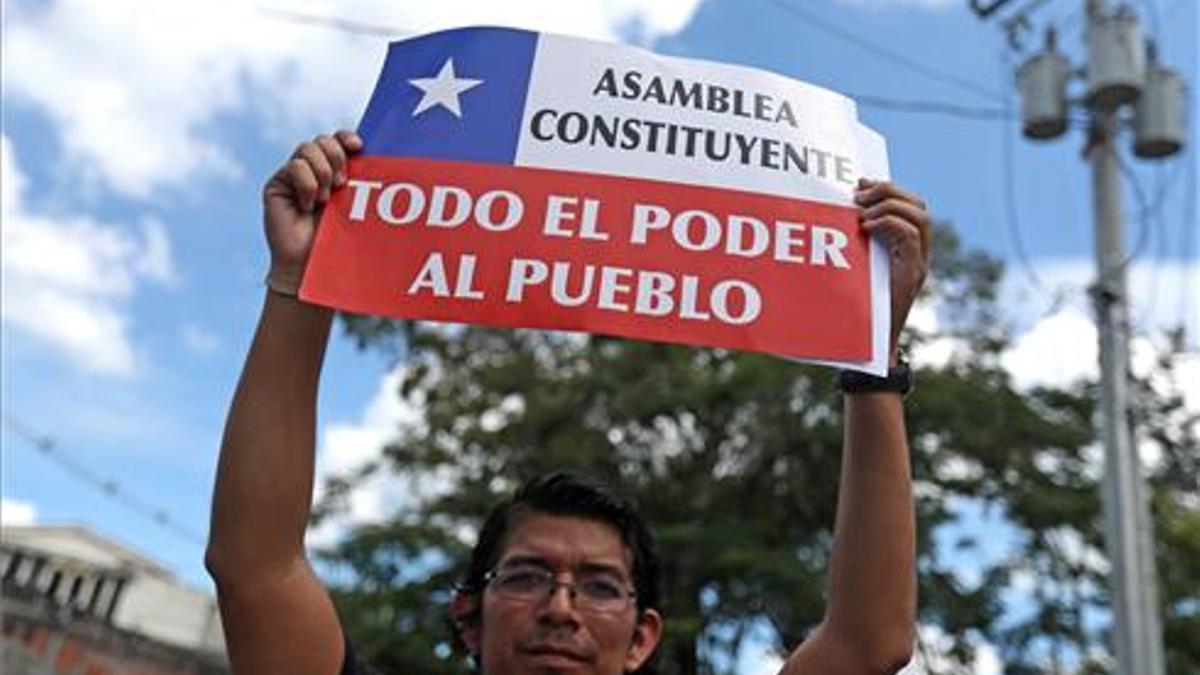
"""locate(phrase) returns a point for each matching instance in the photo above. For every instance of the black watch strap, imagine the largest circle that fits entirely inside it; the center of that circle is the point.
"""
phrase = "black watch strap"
(899, 380)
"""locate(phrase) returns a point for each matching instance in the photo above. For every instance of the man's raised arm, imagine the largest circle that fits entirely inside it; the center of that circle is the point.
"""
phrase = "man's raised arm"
(870, 618)
(277, 616)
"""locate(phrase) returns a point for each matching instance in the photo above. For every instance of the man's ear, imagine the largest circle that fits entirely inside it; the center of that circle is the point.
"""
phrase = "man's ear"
(464, 612)
(646, 635)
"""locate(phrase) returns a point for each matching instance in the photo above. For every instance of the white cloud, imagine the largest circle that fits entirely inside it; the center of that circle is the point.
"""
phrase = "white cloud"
(1189, 374)
(349, 446)
(764, 661)
(133, 86)
(17, 512)
(922, 4)
(199, 339)
(935, 352)
(67, 278)
(155, 262)
(1056, 339)
(1063, 348)
(1057, 351)
(929, 659)
(1162, 294)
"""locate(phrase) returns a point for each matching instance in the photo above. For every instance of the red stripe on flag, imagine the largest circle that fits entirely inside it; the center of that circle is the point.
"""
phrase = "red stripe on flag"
(812, 281)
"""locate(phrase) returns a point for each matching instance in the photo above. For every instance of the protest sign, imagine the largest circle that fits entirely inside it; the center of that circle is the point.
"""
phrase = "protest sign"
(520, 179)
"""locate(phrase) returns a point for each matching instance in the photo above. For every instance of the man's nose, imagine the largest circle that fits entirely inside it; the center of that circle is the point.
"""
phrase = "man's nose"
(561, 601)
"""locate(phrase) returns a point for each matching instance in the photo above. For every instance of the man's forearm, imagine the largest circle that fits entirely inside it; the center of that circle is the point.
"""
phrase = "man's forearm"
(872, 579)
(263, 493)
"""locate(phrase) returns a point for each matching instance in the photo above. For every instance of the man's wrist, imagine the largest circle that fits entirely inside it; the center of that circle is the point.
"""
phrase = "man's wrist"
(283, 282)
(278, 287)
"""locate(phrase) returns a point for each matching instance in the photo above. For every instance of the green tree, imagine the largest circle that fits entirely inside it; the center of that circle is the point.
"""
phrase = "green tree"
(732, 455)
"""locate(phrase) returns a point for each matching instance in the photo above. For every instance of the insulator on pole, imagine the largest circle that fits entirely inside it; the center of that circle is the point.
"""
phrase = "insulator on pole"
(1042, 82)
(1158, 115)
(1116, 60)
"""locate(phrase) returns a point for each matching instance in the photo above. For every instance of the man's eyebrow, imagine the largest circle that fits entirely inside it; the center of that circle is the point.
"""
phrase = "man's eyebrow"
(592, 567)
(603, 567)
(528, 560)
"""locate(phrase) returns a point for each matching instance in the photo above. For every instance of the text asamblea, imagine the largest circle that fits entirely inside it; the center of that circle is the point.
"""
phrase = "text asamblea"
(720, 146)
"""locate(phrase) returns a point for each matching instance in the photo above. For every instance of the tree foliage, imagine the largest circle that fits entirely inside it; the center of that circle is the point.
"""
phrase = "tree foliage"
(734, 458)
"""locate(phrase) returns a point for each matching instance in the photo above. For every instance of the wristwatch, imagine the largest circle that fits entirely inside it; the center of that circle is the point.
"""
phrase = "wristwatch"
(899, 380)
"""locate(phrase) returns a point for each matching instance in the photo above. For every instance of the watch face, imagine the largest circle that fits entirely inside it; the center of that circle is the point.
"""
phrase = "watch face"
(899, 379)
(902, 375)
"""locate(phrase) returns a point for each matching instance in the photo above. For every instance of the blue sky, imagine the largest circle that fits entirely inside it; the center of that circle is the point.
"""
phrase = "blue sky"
(137, 135)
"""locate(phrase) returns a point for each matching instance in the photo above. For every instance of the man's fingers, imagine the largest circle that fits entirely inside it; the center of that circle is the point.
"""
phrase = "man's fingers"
(335, 155)
(349, 140)
(315, 157)
(897, 231)
(881, 198)
(869, 192)
(315, 168)
(303, 180)
(895, 206)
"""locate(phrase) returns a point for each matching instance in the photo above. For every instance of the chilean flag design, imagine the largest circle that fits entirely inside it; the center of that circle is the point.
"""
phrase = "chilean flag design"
(520, 179)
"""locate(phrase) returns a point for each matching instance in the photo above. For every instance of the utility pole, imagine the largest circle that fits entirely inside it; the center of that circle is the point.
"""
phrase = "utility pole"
(1121, 73)
(1137, 630)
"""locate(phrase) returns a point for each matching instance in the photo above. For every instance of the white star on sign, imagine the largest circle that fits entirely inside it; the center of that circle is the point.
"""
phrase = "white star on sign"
(442, 90)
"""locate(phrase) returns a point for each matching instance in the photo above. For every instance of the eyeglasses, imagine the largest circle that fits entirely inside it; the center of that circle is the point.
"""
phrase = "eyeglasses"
(597, 593)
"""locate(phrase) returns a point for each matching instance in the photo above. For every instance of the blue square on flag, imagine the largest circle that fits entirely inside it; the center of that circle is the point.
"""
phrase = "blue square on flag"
(451, 95)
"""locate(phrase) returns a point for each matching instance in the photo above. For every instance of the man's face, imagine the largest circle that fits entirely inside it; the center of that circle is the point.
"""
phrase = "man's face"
(551, 633)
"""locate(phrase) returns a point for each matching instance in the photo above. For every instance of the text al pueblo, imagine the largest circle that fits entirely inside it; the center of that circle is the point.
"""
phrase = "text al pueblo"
(519, 247)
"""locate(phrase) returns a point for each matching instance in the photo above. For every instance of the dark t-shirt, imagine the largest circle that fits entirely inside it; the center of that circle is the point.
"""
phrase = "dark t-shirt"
(353, 663)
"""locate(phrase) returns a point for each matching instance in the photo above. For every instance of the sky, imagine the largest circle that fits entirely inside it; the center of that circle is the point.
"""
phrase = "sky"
(137, 135)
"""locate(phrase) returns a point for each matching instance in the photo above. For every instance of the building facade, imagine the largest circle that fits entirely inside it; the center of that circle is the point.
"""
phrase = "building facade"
(77, 603)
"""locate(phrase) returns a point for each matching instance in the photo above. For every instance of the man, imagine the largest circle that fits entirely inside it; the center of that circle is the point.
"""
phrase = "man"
(556, 585)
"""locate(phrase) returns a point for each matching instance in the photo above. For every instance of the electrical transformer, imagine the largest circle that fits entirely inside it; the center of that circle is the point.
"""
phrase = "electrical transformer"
(1042, 81)
(1158, 115)
(1116, 60)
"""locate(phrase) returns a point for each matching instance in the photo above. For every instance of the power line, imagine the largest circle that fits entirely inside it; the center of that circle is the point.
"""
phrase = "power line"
(1162, 183)
(931, 107)
(867, 100)
(1146, 218)
(1165, 180)
(50, 448)
(1155, 23)
(1151, 215)
(944, 108)
(891, 56)
(335, 23)
(1012, 219)
(1187, 291)
(1144, 210)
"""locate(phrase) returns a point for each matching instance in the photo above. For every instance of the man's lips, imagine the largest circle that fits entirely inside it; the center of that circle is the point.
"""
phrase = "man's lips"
(555, 651)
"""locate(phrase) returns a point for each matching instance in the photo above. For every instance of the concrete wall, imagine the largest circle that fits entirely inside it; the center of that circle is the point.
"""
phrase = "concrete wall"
(174, 614)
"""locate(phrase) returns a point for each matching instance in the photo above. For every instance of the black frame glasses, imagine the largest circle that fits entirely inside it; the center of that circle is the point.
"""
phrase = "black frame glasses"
(598, 593)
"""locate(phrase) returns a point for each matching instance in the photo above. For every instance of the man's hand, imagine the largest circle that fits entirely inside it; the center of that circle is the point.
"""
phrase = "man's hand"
(292, 199)
(900, 218)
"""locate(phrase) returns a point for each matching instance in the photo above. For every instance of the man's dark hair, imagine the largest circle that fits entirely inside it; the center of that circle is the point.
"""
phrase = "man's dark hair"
(564, 494)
